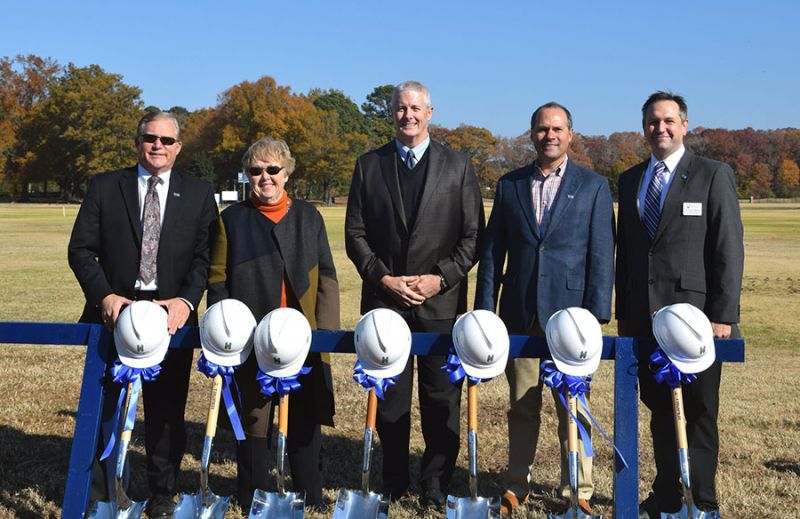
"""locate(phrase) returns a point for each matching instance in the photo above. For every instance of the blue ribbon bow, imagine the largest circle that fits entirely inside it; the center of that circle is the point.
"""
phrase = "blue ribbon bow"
(664, 371)
(281, 385)
(380, 385)
(211, 370)
(455, 371)
(122, 374)
(577, 387)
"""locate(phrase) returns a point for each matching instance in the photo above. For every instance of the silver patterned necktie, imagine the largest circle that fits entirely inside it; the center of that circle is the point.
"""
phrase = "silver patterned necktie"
(411, 160)
(151, 231)
(652, 200)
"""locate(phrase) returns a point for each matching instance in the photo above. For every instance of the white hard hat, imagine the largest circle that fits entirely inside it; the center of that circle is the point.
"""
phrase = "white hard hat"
(383, 343)
(141, 335)
(481, 342)
(282, 341)
(684, 333)
(226, 332)
(575, 341)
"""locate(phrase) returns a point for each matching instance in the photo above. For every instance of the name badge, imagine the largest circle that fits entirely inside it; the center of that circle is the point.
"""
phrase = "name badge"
(692, 209)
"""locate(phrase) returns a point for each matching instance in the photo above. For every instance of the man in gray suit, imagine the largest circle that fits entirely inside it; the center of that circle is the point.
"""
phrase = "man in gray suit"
(679, 241)
(413, 217)
(554, 221)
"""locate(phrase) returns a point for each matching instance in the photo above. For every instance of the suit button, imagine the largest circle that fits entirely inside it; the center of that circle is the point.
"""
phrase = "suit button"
(650, 253)
(541, 247)
(651, 281)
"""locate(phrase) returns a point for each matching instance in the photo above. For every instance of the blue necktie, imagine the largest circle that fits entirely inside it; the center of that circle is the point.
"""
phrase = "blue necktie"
(411, 160)
(652, 200)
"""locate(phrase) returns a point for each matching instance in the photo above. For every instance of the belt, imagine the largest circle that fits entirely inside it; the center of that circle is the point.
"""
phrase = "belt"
(145, 295)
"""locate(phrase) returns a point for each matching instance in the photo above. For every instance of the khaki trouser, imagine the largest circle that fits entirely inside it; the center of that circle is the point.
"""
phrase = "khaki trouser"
(525, 392)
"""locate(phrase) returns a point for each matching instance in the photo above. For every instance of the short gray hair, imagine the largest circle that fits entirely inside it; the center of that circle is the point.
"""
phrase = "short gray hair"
(153, 116)
(414, 86)
(268, 148)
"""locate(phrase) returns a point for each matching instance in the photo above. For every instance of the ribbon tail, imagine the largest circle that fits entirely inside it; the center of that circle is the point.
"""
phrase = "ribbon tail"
(113, 439)
(230, 407)
(617, 452)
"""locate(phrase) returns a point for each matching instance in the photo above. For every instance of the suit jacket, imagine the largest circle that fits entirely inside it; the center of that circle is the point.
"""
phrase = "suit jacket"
(693, 259)
(443, 238)
(571, 264)
(104, 249)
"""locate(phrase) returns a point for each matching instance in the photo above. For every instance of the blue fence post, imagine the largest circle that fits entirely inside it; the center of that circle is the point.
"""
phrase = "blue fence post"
(87, 424)
(626, 428)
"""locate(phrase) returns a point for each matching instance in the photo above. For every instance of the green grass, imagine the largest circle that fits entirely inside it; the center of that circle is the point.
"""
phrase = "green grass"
(759, 424)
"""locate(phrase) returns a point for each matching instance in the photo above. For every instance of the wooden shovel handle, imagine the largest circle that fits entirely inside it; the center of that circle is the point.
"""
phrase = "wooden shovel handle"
(125, 435)
(372, 409)
(283, 415)
(572, 426)
(472, 403)
(213, 408)
(680, 417)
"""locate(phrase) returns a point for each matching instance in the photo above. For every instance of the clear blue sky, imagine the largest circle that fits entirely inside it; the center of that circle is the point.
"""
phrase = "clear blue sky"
(487, 64)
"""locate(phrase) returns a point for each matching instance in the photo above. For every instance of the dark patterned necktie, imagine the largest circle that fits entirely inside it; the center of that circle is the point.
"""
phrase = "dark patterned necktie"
(151, 231)
(652, 200)
(411, 160)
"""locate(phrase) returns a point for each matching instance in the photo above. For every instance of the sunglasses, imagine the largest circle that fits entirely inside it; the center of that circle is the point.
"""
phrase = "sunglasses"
(271, 170)
(166, 141)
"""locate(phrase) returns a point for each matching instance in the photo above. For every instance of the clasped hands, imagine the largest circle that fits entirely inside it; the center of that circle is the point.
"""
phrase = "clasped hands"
(412, 291)
(177, 311)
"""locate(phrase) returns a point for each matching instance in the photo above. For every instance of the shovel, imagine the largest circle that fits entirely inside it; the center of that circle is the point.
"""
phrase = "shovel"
(574, 511)
(363, 504)
(688, 510)
(121, 507)
(472, 507)
(280, 504)
(205, 504)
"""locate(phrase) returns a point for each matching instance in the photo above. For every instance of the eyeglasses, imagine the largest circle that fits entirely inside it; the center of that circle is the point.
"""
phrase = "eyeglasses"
(271, 170)
(166, 141)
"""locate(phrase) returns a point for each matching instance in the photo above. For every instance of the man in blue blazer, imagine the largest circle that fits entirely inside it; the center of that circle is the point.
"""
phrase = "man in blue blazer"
(554, 222)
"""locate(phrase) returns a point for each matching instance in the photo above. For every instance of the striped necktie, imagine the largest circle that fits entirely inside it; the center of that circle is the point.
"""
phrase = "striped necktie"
(411, 160)
(652, 200)
(151, 231)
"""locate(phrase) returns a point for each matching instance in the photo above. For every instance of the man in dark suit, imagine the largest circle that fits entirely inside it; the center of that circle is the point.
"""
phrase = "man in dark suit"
(554, 222)
(413, 217)
(679, 241)
(171, 215)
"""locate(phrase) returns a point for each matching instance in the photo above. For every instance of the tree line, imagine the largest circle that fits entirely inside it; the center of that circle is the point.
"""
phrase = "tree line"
(62, 124)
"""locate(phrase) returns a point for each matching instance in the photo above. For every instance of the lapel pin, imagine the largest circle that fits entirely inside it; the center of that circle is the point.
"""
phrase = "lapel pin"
(570, 196)
(176, 194)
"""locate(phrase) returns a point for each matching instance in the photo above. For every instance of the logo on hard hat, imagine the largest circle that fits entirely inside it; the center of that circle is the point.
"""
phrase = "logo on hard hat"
(583, 354)
(140, 348)
(227, 346)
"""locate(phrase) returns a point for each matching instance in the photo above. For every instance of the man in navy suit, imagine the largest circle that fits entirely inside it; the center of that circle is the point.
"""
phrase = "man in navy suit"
(680, 243)
(554, 222)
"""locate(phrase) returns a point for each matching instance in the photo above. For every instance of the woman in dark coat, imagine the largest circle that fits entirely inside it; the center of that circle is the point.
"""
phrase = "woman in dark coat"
(272, 251)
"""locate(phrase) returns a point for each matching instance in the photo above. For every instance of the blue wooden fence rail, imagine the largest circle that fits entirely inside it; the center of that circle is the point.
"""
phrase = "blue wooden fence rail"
(622, 350)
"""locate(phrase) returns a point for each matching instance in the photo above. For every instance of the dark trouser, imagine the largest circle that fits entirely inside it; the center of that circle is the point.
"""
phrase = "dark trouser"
(440, 404)
(701, 403)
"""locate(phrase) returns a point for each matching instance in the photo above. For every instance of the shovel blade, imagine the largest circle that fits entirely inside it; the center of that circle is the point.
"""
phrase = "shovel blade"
(352, 504)
(683, 513)
(110, 510)
(573, 513)
(272, 505)
(469, 508)
(190, 506)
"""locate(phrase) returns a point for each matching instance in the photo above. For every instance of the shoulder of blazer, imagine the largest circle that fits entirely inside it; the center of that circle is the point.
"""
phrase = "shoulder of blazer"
(586, 175)
(517, 174)
(451, 154)
(191, 182)
(305, 210)
(377, 153)
(694, 161)
(113, 176)
(633, 172)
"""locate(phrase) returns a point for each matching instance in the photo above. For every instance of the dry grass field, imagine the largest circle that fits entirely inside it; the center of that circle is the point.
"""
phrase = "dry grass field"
(759, 473)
